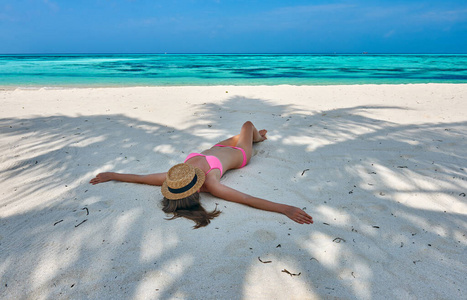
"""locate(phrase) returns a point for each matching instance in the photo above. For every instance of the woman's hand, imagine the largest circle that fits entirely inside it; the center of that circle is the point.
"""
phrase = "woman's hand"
(101, 177)
(298, 215)
(152, 179)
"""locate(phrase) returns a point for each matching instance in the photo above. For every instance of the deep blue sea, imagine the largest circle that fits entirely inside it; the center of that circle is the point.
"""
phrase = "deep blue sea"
(228, 69)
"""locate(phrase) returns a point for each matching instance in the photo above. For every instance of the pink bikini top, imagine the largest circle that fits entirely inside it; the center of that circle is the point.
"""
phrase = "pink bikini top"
(213, 162)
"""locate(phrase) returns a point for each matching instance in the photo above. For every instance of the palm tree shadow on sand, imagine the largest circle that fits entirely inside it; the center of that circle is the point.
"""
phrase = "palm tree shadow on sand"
(376, 191)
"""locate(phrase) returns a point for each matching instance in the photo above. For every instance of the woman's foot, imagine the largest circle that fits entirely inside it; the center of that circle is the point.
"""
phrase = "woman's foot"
(262, 136)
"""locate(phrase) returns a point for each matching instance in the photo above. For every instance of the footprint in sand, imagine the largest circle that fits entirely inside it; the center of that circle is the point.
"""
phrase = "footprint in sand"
(264, 236)
(238, 248)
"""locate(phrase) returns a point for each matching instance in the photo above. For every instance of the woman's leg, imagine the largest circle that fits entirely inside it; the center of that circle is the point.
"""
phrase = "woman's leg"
(248, 135)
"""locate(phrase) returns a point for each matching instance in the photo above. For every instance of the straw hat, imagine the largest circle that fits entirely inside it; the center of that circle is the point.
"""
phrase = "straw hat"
(182, 181)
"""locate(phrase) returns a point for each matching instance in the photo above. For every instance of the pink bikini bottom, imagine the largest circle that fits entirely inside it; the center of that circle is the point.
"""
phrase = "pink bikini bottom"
(238, 148)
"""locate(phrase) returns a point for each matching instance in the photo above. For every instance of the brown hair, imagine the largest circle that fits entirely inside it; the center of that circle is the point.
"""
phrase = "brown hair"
(189, 208)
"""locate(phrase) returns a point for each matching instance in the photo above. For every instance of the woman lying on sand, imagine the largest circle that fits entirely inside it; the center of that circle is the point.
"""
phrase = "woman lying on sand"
(202, 172)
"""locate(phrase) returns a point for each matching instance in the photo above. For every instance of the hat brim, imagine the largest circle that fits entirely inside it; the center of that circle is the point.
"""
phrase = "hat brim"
(199, 183)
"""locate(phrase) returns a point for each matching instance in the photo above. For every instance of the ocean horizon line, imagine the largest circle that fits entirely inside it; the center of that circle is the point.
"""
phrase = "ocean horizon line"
(229, 53)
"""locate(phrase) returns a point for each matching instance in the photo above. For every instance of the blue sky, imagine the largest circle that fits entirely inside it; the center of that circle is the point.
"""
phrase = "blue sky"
(210, 26)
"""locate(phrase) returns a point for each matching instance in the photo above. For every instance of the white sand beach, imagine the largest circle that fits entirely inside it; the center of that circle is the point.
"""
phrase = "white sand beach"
(381, 168)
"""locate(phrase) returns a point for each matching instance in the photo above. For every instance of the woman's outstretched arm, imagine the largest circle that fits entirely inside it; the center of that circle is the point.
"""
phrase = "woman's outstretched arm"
(224, 192)
(151, 179)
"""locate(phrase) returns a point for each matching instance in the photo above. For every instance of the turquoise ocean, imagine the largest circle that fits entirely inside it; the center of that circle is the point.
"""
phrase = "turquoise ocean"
(84, 70)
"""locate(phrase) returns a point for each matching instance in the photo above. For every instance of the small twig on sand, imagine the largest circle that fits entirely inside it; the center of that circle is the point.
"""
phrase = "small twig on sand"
(291, 274)
(264, 262)
(81, 223)
(338, 240)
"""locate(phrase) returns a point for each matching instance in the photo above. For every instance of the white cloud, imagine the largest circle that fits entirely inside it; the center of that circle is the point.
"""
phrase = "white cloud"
(445, 16)
(306, 9)
(52, 5)
(390, 34)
